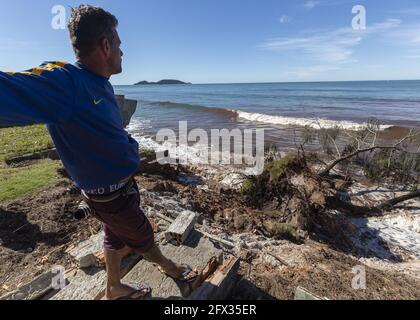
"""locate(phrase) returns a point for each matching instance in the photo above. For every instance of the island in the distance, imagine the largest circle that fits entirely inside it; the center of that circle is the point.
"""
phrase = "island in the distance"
(165, 81)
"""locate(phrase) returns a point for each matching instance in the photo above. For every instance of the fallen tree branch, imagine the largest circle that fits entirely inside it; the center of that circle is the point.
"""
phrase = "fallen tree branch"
(362, 211)
(390, 203)
(372, 147)
(332, 165)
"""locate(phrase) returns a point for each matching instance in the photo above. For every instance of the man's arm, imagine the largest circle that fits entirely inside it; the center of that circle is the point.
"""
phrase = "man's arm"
(45, 94)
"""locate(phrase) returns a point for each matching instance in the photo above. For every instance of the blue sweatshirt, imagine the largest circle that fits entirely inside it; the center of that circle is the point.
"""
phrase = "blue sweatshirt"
(82, 117)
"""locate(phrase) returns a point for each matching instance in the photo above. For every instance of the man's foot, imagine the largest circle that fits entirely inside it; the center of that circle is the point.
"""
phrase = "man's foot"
(179, 272)
(122, 291)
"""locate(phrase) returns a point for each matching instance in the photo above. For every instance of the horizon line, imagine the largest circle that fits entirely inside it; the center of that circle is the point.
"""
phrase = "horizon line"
(281, 82)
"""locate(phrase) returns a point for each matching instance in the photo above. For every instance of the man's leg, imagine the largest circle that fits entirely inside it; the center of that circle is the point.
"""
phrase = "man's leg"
(115, 289)
(154, 255)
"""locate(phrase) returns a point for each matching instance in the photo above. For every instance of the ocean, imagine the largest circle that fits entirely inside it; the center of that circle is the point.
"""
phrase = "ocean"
(282, 109)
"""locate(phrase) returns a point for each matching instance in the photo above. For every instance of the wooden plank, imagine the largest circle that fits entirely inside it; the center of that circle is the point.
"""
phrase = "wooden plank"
(220, 284)
(179, 230)
(197, 251)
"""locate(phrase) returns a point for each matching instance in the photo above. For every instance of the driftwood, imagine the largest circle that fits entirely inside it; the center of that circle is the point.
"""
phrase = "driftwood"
(220, 284)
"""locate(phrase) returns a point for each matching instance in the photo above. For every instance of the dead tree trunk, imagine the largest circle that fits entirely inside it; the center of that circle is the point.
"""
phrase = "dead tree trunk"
(395, 201)
(361, 211)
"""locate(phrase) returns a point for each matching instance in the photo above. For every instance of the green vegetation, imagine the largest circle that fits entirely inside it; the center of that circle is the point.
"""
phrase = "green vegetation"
(277, 168)
(246, 186)
(273, 171)
(272, 182)
(23, 140)
(147, 153)
(16, 182)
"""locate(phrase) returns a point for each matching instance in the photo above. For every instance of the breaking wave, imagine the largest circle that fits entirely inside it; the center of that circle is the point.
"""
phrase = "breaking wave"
(303, 122)
(315, 123)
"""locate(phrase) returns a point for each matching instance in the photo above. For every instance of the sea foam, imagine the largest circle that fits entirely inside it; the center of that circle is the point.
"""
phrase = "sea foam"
(303, 122)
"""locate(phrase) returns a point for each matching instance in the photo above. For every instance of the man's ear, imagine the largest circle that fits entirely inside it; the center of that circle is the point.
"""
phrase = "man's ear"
(106, 47)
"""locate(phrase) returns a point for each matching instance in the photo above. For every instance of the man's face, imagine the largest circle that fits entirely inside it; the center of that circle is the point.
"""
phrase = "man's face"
(115, 59)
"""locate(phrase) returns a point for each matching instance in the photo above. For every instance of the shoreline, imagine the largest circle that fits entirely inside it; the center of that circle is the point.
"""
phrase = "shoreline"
(286, 139)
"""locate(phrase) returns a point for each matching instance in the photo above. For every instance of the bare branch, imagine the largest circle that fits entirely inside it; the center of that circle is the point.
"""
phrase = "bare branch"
(390, 203)
(331, 166)
(326, 171)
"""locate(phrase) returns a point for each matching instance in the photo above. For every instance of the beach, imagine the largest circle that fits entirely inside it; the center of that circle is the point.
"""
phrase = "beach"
(281, 109)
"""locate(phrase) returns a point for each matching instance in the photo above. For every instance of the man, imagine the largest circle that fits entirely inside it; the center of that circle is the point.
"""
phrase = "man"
(78, 105)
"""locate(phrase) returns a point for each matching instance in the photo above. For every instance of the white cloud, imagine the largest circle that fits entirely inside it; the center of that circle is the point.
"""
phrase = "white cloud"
(330, 50)
(335, 46)
(310, 4)
(410, 12)
(285, 19)
(407, 37)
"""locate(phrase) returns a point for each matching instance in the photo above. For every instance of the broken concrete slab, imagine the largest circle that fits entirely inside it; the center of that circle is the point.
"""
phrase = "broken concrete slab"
(90, 284)
(84, 252)
(197, 251)
(38, 288)
(179, 230)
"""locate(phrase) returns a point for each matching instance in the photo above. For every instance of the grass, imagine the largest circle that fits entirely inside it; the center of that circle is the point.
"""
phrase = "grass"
(17, 182)
(23, 140)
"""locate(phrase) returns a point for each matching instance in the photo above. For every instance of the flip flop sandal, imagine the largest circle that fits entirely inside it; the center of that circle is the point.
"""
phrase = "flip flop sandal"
(141, 291)
(186, 276)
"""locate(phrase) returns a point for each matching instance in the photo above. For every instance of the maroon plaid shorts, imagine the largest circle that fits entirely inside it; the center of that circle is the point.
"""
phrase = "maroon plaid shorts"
(125, 224)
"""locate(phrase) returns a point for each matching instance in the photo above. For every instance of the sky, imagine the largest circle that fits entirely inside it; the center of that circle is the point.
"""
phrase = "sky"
(231, 41)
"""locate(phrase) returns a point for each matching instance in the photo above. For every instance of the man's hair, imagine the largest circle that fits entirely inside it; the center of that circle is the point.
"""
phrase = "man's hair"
(88, 25)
